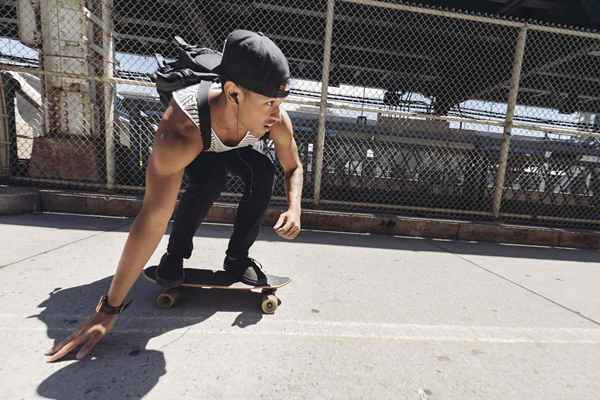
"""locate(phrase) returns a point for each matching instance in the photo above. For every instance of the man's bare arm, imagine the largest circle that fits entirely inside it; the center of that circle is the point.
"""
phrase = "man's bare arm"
(176, 143)
(288, 225)
(287, 153)
(169, 156)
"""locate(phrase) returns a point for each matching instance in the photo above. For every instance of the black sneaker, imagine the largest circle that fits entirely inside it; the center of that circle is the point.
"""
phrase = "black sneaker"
(169, 272)
(248, 270)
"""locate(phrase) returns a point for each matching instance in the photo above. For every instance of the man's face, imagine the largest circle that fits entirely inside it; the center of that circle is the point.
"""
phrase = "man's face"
(259, 113)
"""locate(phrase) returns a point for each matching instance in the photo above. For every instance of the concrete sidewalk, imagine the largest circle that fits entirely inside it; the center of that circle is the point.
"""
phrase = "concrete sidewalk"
(366, 317)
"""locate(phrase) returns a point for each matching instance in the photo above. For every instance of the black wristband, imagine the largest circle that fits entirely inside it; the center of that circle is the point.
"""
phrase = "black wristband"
(106, 308)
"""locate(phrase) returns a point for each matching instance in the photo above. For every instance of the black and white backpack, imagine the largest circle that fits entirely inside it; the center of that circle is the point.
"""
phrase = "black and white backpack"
(192, 65)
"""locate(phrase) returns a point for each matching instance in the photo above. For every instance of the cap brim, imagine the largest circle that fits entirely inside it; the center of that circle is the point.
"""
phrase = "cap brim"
(280, 94)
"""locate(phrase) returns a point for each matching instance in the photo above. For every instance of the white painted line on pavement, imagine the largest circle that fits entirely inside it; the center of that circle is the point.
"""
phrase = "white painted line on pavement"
(220, 325)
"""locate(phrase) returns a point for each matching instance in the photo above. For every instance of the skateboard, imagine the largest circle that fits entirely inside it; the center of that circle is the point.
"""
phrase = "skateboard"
(209, 279)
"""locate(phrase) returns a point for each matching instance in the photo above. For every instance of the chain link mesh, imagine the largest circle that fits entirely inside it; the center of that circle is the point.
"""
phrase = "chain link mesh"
(410, 127)
(415, 110)
(554, 160)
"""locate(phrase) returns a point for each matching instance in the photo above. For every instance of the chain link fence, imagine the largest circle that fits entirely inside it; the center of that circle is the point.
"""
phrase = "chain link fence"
(553, 166)
(395, 108)
(410, 130)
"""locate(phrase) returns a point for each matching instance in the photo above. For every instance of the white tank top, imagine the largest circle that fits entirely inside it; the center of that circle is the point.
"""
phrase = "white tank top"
(186, 100)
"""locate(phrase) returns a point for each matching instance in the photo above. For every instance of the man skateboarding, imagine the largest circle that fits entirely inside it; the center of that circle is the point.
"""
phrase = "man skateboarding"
(206, 134)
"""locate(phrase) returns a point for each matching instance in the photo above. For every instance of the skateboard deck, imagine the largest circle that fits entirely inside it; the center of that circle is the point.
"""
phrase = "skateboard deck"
(209, 279)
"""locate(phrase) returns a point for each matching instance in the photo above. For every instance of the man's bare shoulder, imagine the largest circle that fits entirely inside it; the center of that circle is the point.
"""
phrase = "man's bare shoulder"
(283, 130)
(175, 120)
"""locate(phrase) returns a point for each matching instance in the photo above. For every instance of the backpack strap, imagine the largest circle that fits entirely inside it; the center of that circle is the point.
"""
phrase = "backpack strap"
(204, 112)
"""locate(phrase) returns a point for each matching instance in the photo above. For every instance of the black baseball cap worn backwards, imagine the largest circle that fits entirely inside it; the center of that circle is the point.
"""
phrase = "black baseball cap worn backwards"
(254, 61)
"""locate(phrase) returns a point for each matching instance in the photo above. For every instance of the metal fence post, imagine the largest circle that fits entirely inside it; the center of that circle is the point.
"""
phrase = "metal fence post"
(323, 107)
(510, 111)
(4, 132)
(109, 90)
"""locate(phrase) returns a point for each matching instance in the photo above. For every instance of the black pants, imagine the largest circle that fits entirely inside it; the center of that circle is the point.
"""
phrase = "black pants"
(207, 174)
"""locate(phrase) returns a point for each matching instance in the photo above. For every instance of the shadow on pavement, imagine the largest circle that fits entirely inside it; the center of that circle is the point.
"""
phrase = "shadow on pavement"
(121, 366)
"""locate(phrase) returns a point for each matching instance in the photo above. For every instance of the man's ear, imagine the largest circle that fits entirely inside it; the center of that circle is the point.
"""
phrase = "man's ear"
(232, 92)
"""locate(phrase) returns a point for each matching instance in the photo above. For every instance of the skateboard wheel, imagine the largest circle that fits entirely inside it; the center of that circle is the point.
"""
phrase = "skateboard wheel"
(167, 299)
(269, 304)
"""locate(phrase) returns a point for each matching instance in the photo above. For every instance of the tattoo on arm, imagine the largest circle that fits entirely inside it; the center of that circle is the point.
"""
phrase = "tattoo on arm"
(294, 182)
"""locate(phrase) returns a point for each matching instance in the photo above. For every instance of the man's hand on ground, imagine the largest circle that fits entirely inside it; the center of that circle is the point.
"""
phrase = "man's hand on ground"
(89, 334)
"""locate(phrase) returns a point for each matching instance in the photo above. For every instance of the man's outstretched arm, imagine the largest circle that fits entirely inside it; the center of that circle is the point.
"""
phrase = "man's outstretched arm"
(175, 145)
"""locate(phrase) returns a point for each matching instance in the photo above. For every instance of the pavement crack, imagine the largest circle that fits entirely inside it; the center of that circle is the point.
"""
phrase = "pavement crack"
(176, 339)
(64, 245)
(556, 303)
